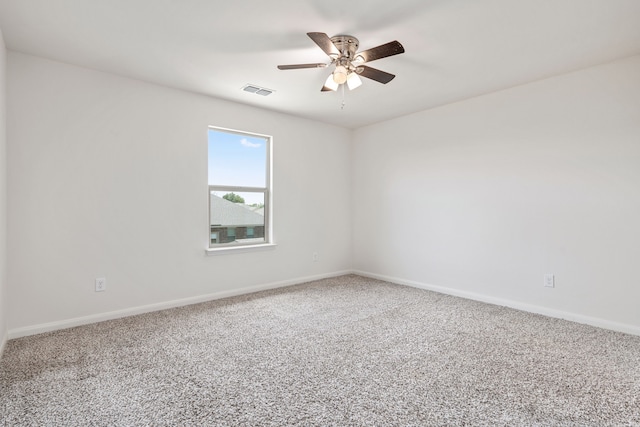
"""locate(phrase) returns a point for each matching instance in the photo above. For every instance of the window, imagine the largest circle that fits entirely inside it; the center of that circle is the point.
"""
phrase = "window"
(239, 188)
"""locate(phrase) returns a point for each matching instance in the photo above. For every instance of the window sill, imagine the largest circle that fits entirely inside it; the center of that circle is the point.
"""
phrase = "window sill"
(239, 249)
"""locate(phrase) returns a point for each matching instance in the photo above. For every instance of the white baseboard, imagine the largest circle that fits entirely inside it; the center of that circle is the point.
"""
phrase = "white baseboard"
(574, 317)
(85, 320)
(78, 321)
(3, 342)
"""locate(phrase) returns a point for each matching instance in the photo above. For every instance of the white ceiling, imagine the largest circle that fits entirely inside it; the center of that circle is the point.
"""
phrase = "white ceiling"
(455, 49)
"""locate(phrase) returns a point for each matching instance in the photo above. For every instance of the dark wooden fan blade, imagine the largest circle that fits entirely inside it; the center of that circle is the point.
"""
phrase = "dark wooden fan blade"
(326, 89)
(299, 66)
(325, 43)
(375, 74)
(382, 51)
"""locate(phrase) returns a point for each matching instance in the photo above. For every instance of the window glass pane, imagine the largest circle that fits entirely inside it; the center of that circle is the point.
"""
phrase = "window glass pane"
(237, 216)
(237, 159)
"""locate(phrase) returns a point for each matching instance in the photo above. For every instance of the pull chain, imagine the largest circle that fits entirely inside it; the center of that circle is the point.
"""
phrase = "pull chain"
(343, 103)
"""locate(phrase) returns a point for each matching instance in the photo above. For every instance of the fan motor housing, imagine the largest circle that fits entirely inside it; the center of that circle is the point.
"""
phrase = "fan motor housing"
(347, 45)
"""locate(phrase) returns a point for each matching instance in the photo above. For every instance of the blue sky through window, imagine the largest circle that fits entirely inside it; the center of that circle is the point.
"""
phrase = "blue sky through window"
(237, 160)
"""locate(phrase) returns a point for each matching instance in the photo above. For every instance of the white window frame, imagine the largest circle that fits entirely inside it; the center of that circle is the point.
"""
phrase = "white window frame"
(235, 247)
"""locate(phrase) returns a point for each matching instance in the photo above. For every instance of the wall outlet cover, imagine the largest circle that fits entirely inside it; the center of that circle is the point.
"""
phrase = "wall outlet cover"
(549, 281)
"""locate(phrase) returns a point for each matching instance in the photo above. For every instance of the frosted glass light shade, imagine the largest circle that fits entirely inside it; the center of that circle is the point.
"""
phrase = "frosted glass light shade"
(353, 81)
(330, 83)
(340, 74)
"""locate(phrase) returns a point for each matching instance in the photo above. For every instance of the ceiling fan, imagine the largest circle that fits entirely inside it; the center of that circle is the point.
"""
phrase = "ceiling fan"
(343, 51)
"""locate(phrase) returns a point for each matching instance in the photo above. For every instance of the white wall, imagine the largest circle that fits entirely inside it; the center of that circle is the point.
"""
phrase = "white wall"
(3, 196)
(480, 198)
(108, 177)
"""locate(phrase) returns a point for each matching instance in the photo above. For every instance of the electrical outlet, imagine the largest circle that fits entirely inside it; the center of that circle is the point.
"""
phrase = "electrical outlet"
(101, 284)
(315, 257)
(549, 281)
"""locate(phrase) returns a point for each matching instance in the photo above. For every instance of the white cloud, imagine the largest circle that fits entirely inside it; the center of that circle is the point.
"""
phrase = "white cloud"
(249, 144)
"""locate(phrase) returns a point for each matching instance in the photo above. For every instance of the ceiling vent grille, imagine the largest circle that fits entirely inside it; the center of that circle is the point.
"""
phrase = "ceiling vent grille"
(257, 90)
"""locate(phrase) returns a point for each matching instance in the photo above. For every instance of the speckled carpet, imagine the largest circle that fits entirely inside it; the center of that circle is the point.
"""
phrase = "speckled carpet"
(348, 351)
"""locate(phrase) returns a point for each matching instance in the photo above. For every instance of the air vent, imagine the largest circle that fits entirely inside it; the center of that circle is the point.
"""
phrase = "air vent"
(257, 90)
(249, 88)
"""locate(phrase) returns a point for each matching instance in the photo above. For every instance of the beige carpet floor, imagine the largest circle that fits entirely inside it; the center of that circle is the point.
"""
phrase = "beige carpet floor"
(347, 351)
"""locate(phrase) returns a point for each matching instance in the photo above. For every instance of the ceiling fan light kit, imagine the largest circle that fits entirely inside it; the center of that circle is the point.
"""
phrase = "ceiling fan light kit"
(349, 63)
